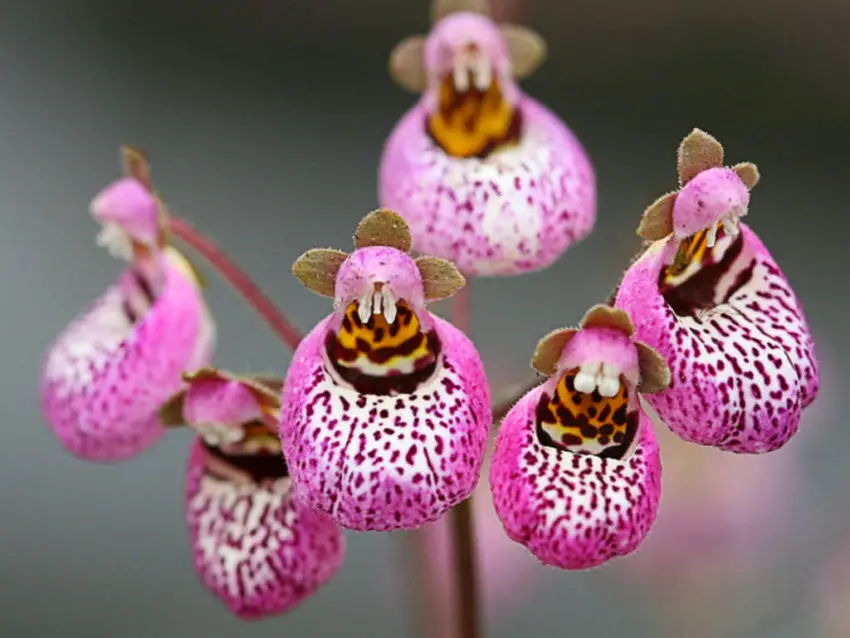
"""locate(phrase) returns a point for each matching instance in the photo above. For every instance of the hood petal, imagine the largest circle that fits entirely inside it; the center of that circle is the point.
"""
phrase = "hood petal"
(572, 511)
(105, 377)
(516, 210)
(382, 461)
(255, 547)
(742, 358)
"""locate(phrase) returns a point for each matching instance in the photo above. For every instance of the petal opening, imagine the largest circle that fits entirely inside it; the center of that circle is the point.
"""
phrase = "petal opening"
(382, 357)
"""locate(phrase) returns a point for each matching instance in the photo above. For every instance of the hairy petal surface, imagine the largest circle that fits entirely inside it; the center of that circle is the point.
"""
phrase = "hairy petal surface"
(254, 546)
(385, 461)
(736, 340)
(516, 210)
(572, 510)
(108, 373)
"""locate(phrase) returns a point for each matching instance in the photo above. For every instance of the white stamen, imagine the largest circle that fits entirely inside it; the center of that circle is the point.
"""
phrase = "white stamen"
(482, 73)
(377, 300)
(461, 76)
(220, 433)
(116, 241)
(389, 305)
(609, 380)
(730, 225)
(587, 377)
(364, 308)
(711, 238)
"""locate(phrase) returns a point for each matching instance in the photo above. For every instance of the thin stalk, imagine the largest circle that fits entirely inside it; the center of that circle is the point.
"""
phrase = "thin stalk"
(237, 278)
(463, 529)
(430, 598)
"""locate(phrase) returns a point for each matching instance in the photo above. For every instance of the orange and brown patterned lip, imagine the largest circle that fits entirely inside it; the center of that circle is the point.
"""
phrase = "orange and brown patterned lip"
(473, 122)
(378, 357)
(586, 423)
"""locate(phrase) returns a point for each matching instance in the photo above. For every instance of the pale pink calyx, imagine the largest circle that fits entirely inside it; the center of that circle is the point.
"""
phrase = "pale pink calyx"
(711, 196)
(602, 350)
(381, 337)
(224, 408)
(129, 211)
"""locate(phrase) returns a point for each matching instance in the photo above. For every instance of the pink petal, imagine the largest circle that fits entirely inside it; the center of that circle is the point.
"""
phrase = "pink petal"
(105, 378)
(220, 401)
(572, 511)
(514, 211)
(255, 547)
(381, 462)
(743, 366)
(127, 203)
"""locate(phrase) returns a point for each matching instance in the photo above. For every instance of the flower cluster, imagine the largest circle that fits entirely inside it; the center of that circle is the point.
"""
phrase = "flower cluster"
(384, 416)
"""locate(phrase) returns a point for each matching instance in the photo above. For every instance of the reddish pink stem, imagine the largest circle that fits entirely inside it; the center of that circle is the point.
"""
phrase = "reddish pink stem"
(237, 278)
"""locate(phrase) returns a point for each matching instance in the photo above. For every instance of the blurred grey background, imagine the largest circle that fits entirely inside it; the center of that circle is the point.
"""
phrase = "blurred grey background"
(265, 120)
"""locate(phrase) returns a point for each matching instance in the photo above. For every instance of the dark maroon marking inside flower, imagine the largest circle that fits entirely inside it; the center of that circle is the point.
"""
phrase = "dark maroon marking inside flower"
(260, 466)
(145, 288)
(603, 433)
(394, 382)
(698, 292)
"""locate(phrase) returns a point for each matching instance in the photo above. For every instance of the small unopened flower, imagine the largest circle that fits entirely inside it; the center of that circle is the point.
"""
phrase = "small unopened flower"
(485, 175)
(576, 471)
(255, 547)
(386, 408)
(710, 298)
(108, 373)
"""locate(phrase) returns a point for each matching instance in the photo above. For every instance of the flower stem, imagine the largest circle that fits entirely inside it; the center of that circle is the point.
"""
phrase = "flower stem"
(429, 593)
(466, 573)
(237, 278)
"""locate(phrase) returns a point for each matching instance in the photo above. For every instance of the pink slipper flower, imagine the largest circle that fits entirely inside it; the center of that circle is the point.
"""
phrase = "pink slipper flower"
(255, 547)
(108, 373)
(576, 471)
(485, 175)
(710, 298)
(386, 408)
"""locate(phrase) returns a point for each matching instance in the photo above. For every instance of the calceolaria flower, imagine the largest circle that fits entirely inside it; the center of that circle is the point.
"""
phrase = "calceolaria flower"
(255, 547)
(386, 408)
(576, 474)
(485, 175)
(710, 298)
(108, 373)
